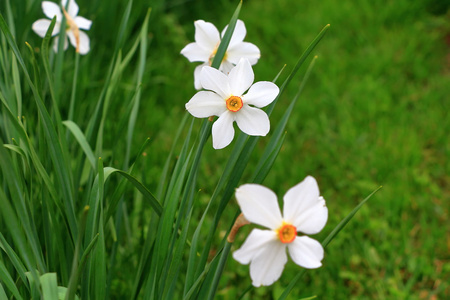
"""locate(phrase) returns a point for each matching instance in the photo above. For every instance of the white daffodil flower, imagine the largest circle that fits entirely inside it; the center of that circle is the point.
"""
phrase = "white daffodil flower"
(265, 250)
(79, 39)
(226, 99)
(207, 40)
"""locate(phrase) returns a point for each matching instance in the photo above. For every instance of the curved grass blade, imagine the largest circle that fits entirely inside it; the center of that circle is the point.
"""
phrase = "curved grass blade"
(79, 136)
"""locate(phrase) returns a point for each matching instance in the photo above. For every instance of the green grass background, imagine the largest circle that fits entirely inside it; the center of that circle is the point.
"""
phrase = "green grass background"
(374, 112)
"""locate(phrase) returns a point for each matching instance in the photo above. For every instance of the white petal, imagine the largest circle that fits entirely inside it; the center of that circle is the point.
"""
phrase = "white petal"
(52, 9)
(243, 50)
(206, 35)
(306, 252)
(241, 77)
(214, 80)
(303, 207)
(197, 72)
(238, 34)
(266, 267)
(72, 9)
(255, 241)
(223, 131)
(259, 205)
(84, 43)
(261, 94)
(72, 38)
(41, 26)
(205, 104)
(83, 23)
(193, 52)
(226, 67)
(56, 42)
(253, 121)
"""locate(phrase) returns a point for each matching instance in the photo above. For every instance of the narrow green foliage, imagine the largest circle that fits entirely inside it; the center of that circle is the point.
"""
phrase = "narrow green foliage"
(221, 50)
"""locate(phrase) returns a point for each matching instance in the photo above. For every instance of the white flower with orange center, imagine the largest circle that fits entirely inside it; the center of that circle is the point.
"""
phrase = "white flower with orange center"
(226, 99)
(207, 40)
(265, 250)
(79, 39)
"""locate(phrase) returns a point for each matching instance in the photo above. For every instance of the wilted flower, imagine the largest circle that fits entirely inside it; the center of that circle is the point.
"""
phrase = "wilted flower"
(226, 99)
(303, 211)
(207, 40)
(74, 23)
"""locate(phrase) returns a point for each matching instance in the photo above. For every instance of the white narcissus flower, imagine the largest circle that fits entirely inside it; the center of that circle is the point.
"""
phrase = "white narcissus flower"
(207, 40)
(265, 250)
(226, 99)
(79, 39)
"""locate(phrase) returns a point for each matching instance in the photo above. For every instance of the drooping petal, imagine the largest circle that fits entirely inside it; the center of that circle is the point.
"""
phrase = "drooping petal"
(197, 72)
(244, 49)
(83, 23)
(223, 131)
(238, 35)
(259, 205)
(256, 240)
(260, 94)
(241, 77)
(253, 121)
(206, 35)
(303, 207)
(56, 44)
(214, 80)
(52, 9)
(205, 104)
(266, 267)
(193, 52)
(41, 26)
(306, 252)
(84, 43)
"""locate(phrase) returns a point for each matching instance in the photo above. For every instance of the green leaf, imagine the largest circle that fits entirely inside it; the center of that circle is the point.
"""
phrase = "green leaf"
(223, 46)
(49, 286)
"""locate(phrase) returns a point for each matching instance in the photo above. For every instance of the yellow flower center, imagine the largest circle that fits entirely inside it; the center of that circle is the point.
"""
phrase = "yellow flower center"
(287, 233)
(234, 103)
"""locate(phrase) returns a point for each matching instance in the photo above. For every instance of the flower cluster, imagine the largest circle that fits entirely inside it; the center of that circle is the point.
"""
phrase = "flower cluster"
(229, 94)
(79, 39)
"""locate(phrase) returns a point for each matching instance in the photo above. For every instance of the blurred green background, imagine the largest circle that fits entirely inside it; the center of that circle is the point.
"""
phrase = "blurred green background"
(374, 112)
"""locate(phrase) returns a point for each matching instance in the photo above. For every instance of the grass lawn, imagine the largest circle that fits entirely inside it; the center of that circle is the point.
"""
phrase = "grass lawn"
(375, 112)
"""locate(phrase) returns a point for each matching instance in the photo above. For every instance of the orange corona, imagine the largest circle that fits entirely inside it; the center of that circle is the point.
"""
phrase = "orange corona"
(287, 233)
(234, 103)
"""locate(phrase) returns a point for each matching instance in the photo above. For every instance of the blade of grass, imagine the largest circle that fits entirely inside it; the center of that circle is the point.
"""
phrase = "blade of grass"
(82, 141)
(49, 286)
(6, 278)
(223, 46)
(265, 164)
